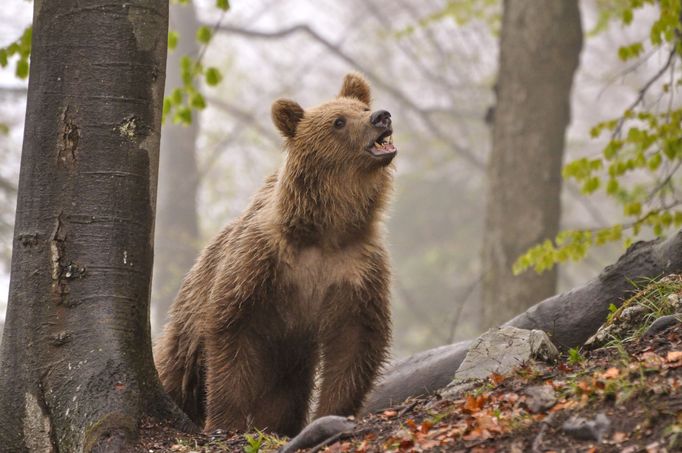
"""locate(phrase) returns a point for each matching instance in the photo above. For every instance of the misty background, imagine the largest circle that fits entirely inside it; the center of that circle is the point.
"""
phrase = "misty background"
(437, 78)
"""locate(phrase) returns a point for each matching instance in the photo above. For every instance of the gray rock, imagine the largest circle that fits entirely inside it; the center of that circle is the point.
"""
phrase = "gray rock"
(540, 398)
(661, 324)
(584, 429)
(318, 431)
(500, 351)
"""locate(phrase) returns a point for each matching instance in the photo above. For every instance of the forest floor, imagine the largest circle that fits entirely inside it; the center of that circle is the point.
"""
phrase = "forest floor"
(630, 387)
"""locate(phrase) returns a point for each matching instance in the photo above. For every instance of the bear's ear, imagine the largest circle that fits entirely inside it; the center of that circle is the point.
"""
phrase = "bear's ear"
(286, 114)
(355, 86)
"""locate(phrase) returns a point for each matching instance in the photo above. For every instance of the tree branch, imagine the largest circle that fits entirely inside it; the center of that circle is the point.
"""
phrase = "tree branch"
(374, 78)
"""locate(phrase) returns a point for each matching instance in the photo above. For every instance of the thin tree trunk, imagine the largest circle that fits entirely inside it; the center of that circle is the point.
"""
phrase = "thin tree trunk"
(177, 230)
(539, 51)
(76, 369)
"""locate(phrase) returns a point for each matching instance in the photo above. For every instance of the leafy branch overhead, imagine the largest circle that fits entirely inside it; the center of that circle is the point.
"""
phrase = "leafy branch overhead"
(644, 144)
(20, 48)
(181, 101)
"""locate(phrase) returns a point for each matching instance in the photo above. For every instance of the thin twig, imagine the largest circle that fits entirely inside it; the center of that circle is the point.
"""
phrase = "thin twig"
(407, 408)
(458, 311)
(644, 89)
(336, 50)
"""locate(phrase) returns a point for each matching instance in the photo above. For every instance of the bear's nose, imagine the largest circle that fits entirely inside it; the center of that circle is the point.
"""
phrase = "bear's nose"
(380, 118)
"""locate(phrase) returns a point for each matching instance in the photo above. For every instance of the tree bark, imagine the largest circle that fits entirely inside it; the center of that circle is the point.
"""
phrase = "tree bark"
(569, 319)
(539, 51)
(177, 229)
(76, 368)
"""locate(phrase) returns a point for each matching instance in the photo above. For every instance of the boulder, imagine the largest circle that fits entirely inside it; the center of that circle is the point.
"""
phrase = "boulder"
(500, 351)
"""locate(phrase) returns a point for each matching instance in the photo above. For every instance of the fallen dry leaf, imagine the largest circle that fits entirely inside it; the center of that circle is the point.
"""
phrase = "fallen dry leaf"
(473, 403)
(674, 356)
(496, 378)
(619, 437)
(425, 427)
(611, 373)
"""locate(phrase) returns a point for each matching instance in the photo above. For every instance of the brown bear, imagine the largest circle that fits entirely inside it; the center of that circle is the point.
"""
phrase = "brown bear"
(300, 280)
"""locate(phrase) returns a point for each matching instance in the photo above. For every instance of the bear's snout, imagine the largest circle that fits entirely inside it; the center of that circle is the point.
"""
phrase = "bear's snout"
(381, 118)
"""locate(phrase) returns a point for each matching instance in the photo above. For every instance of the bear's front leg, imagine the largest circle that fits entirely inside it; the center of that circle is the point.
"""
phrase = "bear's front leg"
(355, 339)
(253, 383)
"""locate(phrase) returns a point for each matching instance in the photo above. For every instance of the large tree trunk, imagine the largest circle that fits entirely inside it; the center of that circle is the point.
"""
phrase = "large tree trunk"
(569, 318)
(177, 231)
(539, 50)
(76, 368)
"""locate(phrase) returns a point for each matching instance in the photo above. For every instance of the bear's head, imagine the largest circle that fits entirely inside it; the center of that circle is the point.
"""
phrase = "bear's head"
(340, 134)
(337, 174)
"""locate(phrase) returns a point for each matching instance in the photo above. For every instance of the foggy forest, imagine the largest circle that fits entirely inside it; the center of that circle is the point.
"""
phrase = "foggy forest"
(532, 230)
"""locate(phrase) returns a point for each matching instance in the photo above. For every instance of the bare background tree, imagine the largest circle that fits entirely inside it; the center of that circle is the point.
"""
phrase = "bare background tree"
(540, 47)
(177, 228)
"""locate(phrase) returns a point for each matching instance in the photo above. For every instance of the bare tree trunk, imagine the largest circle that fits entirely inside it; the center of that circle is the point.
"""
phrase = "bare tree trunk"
(177, 230)
(76, 369)
(539, 51)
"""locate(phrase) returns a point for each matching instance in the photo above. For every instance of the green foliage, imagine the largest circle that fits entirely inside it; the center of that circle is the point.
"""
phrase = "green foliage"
(253, 444)
(173, 37)
(263, 441)
(183, 100)
(21, 48)
(575, 357)
(641, 142)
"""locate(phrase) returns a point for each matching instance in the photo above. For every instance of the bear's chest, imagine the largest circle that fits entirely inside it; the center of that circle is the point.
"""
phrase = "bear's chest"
(312, 271)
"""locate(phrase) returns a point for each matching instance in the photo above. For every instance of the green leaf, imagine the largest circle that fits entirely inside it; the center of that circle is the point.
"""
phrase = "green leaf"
(627, 16)
(654, 162)
(167, 105)
(22, 68)
(213, 76)
(176, 96)
(612, 186)
(222, 4)
(204, 34)
(183, 115)
(632, 209)
(3, 57)
(173, 37)
(197, 101)
(591, 185)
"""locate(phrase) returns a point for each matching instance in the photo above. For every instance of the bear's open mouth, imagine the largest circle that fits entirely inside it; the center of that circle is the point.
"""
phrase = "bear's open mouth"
(383, 145)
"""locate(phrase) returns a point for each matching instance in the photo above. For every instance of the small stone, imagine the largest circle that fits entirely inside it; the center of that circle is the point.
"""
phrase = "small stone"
(584, 429)
(318, 431)
(661, 324)
(631, 312)
(675, 300)
(540, 398)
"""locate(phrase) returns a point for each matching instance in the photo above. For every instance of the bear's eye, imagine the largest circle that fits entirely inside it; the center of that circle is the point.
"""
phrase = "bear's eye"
(339, 123)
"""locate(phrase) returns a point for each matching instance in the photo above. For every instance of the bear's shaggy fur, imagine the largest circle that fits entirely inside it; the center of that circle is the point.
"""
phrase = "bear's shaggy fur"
(300, 280)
